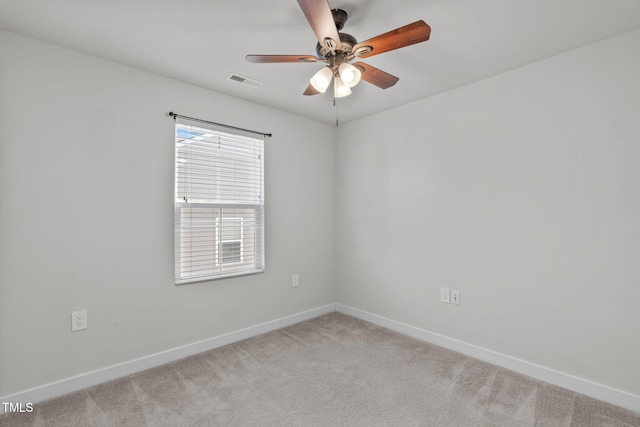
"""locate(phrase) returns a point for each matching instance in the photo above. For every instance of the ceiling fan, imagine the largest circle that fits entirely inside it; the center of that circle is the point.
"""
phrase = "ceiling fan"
(339, 49)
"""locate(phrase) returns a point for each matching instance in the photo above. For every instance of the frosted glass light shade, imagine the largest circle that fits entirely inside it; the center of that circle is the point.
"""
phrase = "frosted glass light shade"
(349, 74)
(322, 79)
(340, 90)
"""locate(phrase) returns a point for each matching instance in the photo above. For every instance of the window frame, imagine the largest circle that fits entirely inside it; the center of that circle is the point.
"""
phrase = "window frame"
(249, 211)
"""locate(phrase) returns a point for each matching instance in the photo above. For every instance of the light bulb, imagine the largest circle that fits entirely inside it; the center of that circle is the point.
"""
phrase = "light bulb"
(322, 79)
(340, 90)
(349, 74)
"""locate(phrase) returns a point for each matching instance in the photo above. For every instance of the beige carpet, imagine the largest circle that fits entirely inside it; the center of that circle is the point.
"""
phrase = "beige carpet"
(334, 370)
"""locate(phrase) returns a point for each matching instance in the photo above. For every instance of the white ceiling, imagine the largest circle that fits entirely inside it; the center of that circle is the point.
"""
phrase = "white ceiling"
(201, 42)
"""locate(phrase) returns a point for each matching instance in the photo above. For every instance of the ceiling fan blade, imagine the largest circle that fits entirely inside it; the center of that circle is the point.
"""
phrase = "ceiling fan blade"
(265, 59)
(410, 34)
(319, 15)
(311, 91)
(376, 77)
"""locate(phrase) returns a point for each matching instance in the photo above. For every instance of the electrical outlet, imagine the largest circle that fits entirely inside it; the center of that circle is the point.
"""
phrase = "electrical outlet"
(295, 281)
(444, 295)
(78, 320)
(455, 297)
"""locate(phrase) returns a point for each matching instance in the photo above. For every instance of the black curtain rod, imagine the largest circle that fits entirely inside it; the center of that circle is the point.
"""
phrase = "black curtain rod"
(174, 115)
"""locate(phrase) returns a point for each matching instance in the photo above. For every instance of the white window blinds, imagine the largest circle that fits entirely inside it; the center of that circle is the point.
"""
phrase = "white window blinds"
(219, 202)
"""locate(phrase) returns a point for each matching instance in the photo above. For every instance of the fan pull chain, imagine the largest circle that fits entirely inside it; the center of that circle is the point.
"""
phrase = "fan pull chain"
(335, 105)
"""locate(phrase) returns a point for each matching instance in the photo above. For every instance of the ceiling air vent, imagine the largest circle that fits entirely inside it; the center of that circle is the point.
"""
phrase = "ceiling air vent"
(244, 80)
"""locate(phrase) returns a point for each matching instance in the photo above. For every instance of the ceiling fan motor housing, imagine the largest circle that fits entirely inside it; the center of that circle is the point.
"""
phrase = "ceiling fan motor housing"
(347, 42)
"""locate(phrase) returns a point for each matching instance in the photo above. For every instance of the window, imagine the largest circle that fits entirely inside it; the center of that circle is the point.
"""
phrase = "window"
(219, 202)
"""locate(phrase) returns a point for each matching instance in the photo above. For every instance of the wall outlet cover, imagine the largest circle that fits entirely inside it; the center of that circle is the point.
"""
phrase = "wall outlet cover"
(455, 297)
(444, 295)
(79, 320)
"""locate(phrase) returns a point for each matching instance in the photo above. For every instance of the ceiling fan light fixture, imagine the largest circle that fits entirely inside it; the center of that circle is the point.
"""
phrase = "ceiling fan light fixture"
(349, 74)
(340, 90)
(322, 79)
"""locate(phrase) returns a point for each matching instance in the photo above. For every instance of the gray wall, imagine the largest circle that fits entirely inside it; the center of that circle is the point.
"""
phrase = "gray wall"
(522, 191)
(86, 216)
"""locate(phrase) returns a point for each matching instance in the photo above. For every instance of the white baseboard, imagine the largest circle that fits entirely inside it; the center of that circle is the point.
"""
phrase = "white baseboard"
(551, 376)
(69, 385)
